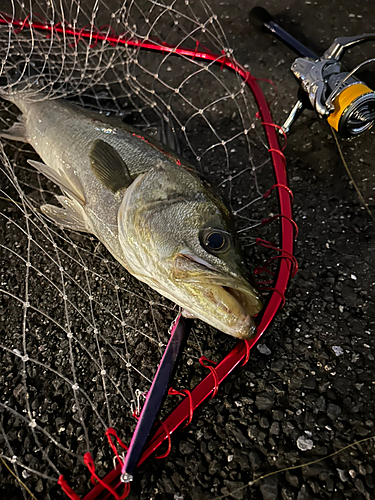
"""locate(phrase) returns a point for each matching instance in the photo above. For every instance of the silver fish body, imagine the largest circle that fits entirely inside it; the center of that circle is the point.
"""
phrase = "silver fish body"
(145, 204)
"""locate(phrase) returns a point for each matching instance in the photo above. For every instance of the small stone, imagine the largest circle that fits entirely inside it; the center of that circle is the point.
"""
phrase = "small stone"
(339, 351)
(292, 479)
(320, 404)
(214, 467)
(269, 488)
(264, 401)
(234, 489)
(255, 460)
(342, 475)
(263, 349)
(39, 486)
(287, 495)
(333, 411)
(304, 443)
(303, 493)
(264, 423)
(275, 428)
(186, 448)
(342, 385)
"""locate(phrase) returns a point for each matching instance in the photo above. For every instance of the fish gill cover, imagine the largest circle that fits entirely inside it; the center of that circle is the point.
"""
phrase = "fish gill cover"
(80, 338)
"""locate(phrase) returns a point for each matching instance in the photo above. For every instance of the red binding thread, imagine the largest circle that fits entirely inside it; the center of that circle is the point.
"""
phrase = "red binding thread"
(284, 254)
(247, 355)
(108, 30)
(267, 193)
(184, 392)
(109, 433)
(67, 489)
(81, 32)
(167, 433)
(196, 49)
(277, 291)
(265, 221)
(292, 259)
(89, 462)
(277, 127)
(22, 25)
(259, 270)
(273, 84)
(223, 60)
(214, 374)
(266, 282)
(273, 150)
(57, 28)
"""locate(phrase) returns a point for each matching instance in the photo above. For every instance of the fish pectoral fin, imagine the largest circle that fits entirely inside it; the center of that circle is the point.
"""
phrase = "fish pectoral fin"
(67, 181)
(17, 132)
(109, 167)
(71, 216)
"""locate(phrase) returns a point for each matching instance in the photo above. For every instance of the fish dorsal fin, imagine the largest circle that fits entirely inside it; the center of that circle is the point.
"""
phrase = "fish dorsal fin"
(109, 167)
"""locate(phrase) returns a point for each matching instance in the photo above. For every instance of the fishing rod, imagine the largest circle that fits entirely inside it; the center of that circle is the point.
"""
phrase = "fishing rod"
(344, 101)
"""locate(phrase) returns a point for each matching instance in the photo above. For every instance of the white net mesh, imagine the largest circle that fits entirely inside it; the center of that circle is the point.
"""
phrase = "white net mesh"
(80, 338)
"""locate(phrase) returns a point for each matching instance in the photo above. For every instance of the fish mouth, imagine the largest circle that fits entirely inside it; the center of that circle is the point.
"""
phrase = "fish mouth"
(224, 300)
(235, 308)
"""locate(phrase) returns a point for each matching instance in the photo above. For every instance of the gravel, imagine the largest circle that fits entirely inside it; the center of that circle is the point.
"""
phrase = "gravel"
(309, 389)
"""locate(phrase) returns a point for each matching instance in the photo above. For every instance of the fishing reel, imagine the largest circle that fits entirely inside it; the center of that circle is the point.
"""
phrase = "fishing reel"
(345, 102)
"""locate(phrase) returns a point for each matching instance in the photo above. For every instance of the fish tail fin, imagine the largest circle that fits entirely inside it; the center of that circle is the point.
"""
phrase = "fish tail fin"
(19, 89)
(17, 132)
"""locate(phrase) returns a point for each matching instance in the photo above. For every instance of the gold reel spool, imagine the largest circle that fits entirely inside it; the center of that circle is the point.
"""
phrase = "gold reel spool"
(354, 106)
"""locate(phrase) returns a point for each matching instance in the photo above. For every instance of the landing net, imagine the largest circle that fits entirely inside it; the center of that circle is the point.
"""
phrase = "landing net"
(80, 339)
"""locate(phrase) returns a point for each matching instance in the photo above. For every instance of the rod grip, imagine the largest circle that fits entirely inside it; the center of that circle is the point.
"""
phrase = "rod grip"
(261, 18)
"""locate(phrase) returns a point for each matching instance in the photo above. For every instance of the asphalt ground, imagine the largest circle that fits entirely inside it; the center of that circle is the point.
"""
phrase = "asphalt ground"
(308, 389)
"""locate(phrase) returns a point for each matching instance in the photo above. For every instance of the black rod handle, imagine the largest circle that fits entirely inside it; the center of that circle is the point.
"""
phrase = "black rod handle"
(261, 18)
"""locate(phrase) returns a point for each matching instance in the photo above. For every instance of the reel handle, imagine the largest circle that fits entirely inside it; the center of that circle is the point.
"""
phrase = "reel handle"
(340, 44)
(261, 18)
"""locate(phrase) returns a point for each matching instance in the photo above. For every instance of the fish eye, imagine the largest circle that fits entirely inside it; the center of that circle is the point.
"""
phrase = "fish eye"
(214, 241)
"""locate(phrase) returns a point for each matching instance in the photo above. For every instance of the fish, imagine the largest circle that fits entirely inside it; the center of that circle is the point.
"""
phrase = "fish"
(146, 204)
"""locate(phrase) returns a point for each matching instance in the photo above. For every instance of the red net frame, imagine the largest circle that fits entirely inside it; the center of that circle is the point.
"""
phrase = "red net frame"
(208, 387)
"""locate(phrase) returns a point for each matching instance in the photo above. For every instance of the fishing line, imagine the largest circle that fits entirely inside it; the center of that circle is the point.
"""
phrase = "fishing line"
(360, 196)
(17, 478)
(293, 467)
